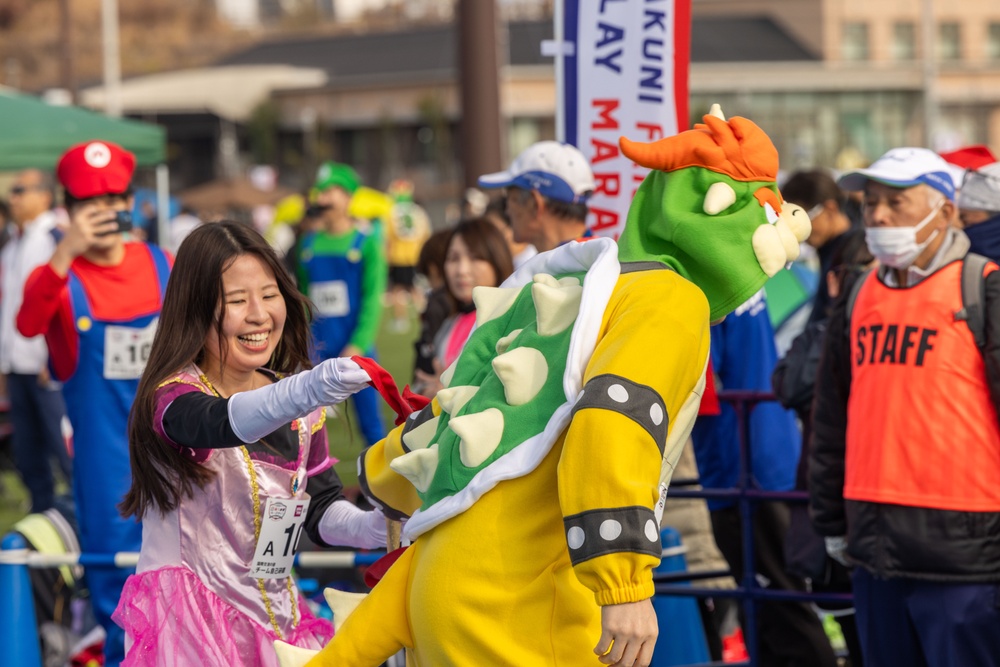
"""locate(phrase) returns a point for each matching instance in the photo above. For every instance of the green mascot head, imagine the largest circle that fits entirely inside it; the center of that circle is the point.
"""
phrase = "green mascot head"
(711, 210)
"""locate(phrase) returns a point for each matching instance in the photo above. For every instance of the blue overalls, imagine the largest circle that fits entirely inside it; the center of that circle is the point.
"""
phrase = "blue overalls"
(335, 290)
(99, 396)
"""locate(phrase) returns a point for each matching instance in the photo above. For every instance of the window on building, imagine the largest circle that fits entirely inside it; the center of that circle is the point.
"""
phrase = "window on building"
(855, 44)
(949, 45)
(993, 42)
(904, 41)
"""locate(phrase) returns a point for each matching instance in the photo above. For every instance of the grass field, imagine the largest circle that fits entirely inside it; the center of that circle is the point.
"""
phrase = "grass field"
(395, 352)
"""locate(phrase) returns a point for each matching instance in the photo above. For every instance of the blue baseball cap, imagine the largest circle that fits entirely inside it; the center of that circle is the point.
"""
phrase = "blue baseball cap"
(557, 171)
(904, 168)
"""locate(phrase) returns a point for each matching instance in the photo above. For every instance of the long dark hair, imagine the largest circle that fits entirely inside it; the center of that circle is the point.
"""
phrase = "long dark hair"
(161, 475)
(484, 242)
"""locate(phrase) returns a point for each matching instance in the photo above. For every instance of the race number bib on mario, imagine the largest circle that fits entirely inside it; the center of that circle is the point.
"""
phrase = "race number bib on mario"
(331, 298)
(280, 528)
(126, 350)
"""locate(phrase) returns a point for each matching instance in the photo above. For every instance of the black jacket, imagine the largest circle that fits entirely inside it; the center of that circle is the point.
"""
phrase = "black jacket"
(897, 540)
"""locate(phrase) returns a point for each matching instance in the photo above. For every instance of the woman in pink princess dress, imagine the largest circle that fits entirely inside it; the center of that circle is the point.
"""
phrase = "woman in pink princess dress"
(230, 463)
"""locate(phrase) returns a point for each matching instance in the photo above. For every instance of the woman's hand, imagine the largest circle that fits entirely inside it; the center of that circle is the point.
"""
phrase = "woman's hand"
(429, 383)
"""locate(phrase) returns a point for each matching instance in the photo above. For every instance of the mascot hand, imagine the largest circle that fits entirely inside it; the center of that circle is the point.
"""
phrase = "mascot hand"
(628, 634)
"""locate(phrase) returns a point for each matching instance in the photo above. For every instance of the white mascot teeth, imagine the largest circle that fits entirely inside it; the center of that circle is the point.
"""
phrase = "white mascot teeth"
(769, 249)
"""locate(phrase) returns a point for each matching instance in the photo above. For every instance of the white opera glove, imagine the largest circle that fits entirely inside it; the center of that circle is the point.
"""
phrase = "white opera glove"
(836, 548)
(345, 525)
(254, 414)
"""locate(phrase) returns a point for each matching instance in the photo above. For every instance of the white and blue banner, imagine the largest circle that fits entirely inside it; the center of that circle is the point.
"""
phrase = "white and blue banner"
(624, 72)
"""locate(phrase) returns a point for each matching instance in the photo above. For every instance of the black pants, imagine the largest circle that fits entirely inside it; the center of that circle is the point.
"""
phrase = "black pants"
(790, 633)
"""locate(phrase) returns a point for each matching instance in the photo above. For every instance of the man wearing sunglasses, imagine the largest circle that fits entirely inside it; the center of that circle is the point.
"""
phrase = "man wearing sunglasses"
(98, 301)
(36, 403)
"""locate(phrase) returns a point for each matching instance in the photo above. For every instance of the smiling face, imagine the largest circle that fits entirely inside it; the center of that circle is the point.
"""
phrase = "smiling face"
(253, 318)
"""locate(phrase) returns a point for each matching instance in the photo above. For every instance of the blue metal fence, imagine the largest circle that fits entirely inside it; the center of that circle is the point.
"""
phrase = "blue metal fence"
(17, 618)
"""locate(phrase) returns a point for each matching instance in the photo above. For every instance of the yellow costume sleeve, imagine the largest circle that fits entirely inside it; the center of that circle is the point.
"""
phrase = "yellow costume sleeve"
(647, 365)
(394, 494)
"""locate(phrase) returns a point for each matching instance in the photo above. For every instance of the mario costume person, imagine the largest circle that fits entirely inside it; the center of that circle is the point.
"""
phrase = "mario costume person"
(97, 302)
(534, 483)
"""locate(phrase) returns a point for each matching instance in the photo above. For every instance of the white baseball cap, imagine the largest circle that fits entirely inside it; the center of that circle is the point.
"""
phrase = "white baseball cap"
(981, 189)
(558, 171)
(904, 168)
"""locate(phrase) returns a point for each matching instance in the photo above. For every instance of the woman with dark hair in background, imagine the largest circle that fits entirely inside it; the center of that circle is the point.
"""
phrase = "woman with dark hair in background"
(477, 255)
(230, 462)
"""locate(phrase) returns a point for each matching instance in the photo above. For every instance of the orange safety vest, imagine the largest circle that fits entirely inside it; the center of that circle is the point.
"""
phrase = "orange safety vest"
(921, 426)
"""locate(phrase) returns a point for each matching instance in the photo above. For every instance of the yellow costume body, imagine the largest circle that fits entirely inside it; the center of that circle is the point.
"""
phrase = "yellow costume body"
(535, 482)
(495, 584)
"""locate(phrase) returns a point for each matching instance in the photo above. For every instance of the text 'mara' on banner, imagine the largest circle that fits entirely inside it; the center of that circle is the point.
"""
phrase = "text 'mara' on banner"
(624, 72)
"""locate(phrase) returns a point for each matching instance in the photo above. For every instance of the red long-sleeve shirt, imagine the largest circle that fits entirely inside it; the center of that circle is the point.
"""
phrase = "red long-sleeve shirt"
(122, 292)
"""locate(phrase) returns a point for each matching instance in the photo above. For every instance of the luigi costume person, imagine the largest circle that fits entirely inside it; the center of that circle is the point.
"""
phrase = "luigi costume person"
(342, 269)
(97, 302)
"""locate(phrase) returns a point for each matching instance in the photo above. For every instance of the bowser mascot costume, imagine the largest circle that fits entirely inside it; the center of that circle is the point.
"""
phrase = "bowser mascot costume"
(534, 482)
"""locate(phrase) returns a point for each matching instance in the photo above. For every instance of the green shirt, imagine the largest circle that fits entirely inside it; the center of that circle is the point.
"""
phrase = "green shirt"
(373, 279)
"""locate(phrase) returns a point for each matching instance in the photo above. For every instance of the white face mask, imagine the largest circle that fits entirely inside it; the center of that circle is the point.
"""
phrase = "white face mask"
(897, 246)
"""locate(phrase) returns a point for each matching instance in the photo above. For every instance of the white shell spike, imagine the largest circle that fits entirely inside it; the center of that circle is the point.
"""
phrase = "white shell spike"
(719, 197)
(716, 111)
(505, 342)
(480, 433)
(569, 281)
(522, 372)
(448, 374)
(418, 466)
(292, 656)
(555, 307)
(545, 279)
(454, 399)
(492, 302)
(342, 604)
(421, 436)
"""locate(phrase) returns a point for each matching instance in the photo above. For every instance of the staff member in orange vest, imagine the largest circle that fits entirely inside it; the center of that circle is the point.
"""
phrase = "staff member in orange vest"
(904, 474)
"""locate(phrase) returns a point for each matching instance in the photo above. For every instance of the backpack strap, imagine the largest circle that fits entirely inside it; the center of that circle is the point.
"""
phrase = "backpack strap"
(973, 297)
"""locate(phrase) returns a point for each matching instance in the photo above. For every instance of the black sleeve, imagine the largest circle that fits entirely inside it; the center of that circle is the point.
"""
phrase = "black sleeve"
(437, 310)
(324, 489)
(794, 376)
(829, 423)
(200, 421)
(991, 353)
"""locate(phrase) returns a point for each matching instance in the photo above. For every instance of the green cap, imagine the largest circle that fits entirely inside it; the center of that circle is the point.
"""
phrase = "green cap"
(335, 174)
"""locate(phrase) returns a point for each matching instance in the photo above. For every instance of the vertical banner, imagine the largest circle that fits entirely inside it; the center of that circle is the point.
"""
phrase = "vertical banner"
(624, 73)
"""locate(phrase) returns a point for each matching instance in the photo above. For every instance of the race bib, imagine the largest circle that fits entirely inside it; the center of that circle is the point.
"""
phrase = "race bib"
(280, 528)
(126, 350)
(331, 298)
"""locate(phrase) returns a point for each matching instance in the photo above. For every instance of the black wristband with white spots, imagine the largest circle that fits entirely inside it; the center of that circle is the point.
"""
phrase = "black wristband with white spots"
(598, 532)
(638, 402)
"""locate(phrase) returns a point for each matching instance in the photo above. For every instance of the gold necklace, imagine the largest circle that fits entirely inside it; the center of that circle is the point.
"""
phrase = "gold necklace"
(255, 494)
